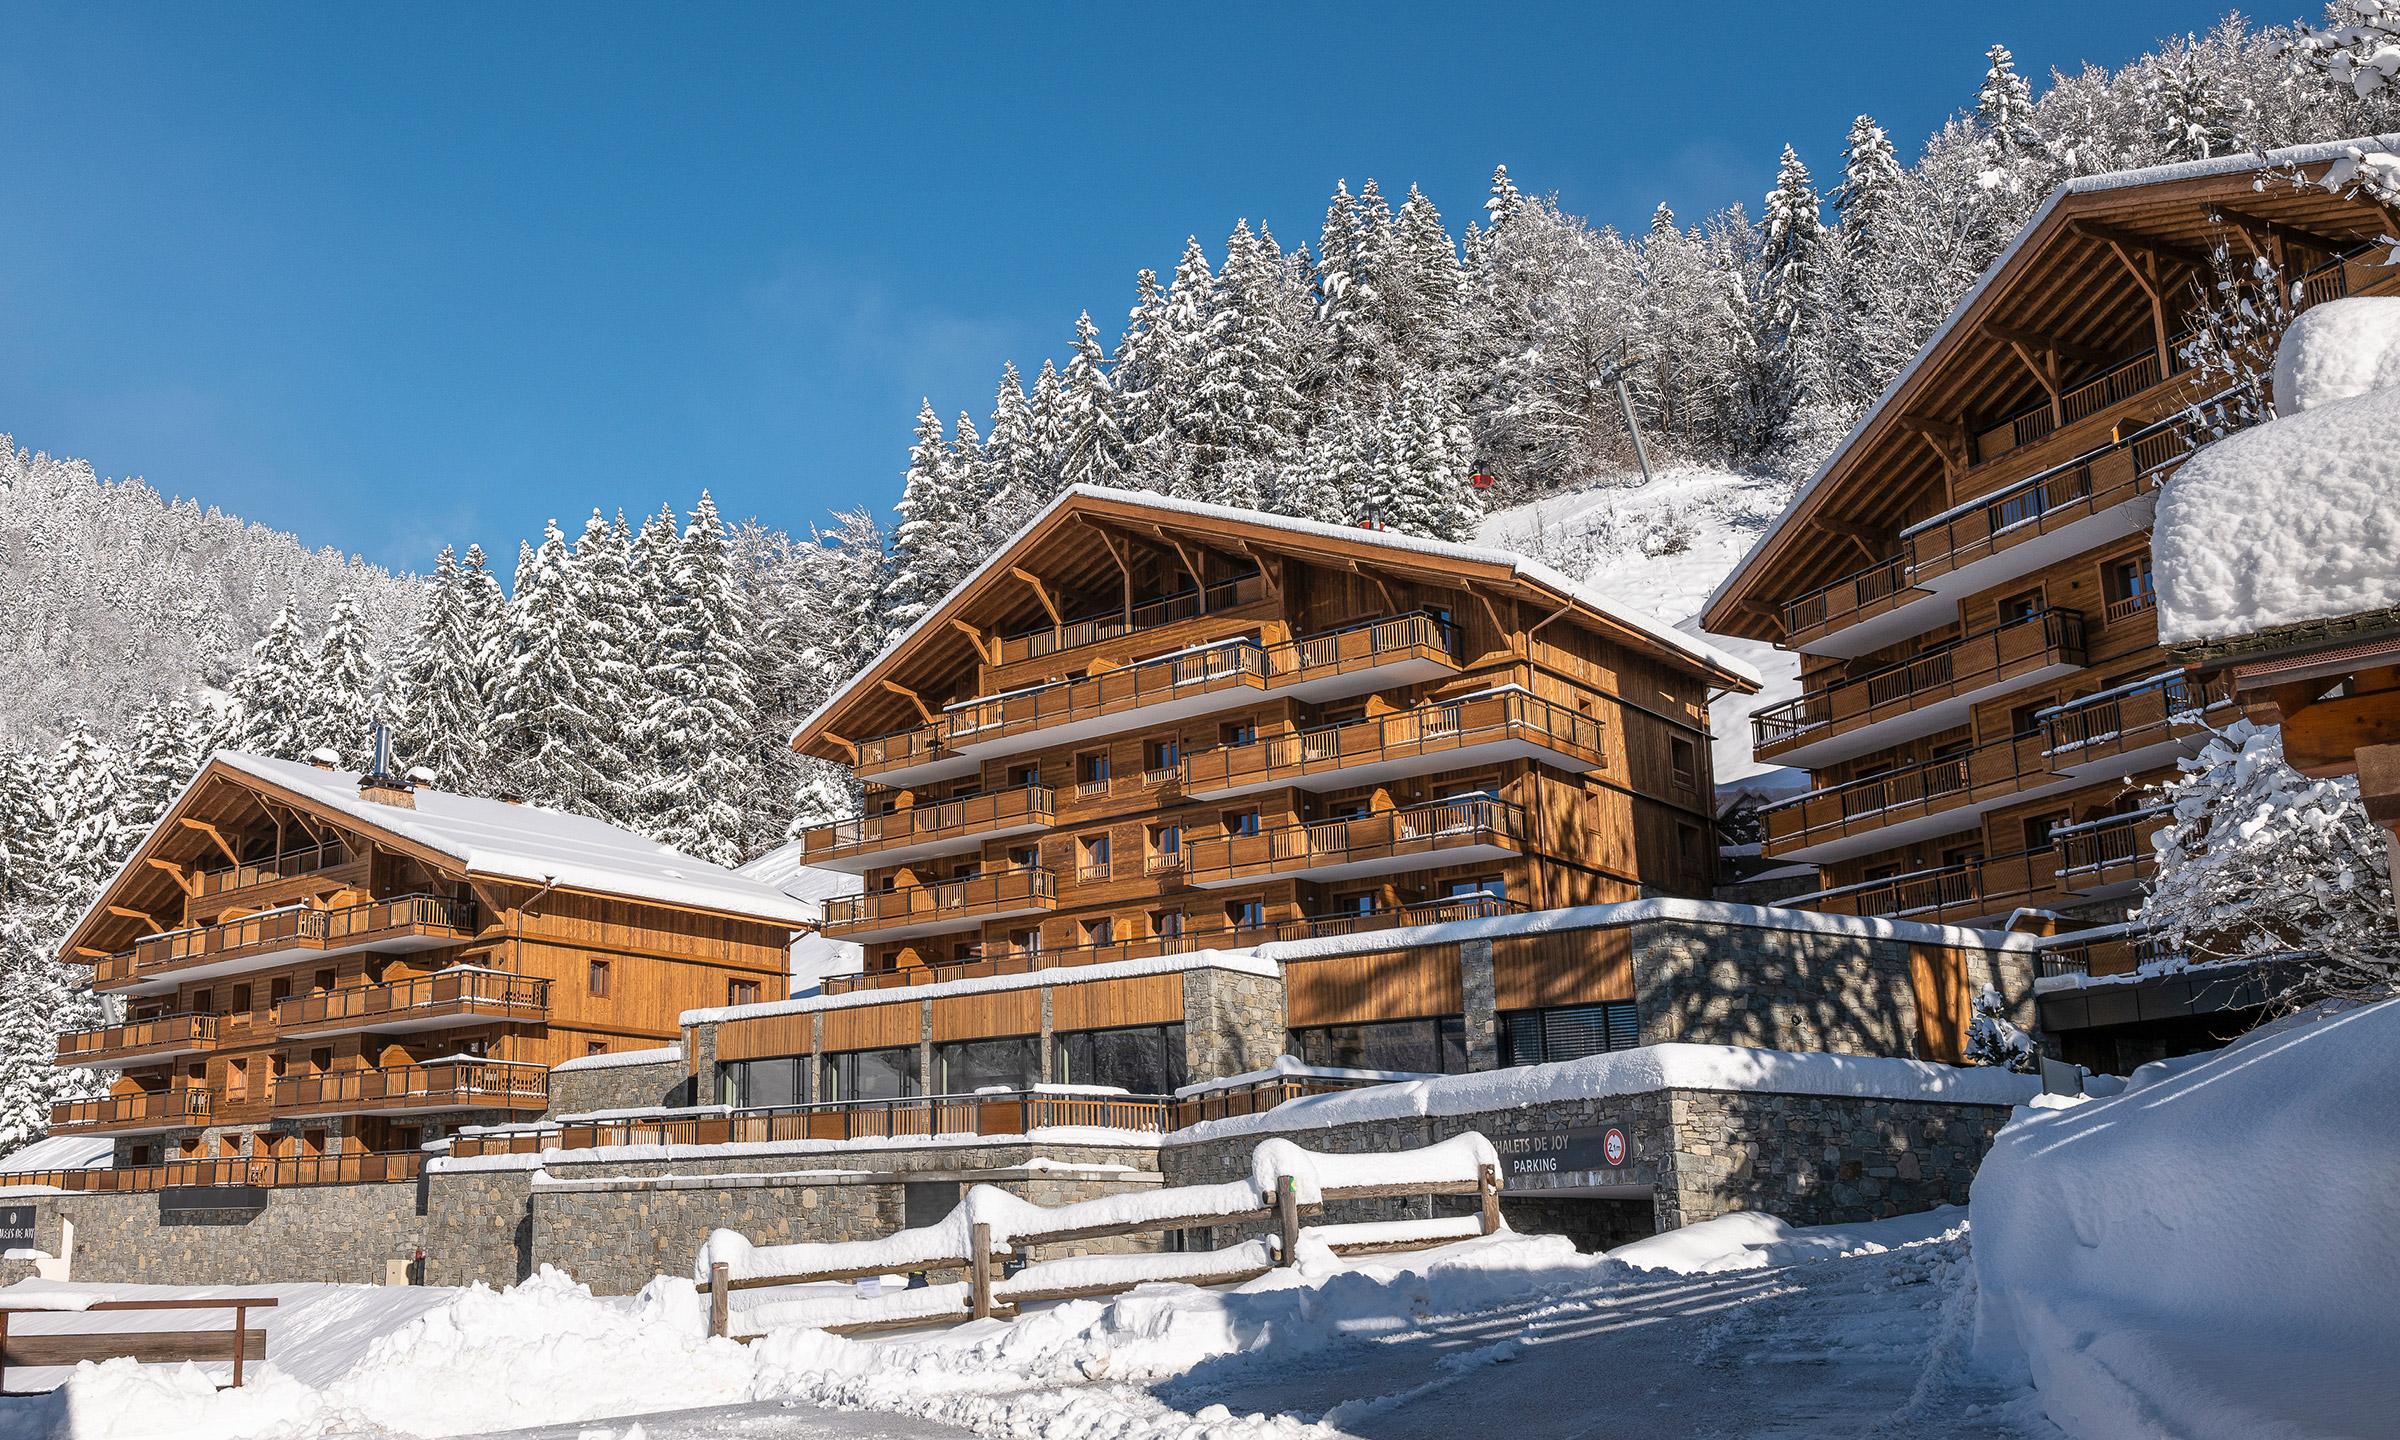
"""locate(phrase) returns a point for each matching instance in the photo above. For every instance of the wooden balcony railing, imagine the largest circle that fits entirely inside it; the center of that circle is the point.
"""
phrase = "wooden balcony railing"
(1009, 960)
(902, 747)
(152, 1110)
(308, 861)
(1365, 841)
(1853, 597)
(354, 1168)
(1869, 803)
(2130, 465)
(156, 1036)
(1947, 894)
(1429, 730)
(1149, 615)
(1015, 890)
(471, 996)
(2119, 383)
(1256, 1097)
(997, 1112)
(1231, 664)
(962, 819)
(2129, 717)
(1960, 668)
(294, 928)
(2110, 849)
(440, 1085)
(2120, 953)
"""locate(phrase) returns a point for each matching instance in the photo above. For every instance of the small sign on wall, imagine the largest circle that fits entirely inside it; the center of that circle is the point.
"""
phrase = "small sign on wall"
(1546, 1155)
(16, 1227)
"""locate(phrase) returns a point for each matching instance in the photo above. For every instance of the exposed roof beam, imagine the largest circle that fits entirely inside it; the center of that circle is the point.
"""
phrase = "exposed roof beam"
(848, 747)
(2087, 354)
(1040, 591)
(212, 833)
(2125, 239)
(2283, 230)
(173, 872)
(913, 698)
(974, 637)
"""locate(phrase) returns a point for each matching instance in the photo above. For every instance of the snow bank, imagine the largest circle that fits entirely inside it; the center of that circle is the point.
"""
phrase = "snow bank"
(2208, 1253)
(2297, 519)
(1749, 1240)
(1457, 1160)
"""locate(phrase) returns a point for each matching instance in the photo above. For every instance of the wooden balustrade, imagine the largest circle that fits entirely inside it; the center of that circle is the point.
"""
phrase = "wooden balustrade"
(1947, 894)
(1149, 615)
(2114, 722)
(1366, 840)
(1438, 729)
(153, 1036)
(1959, 668)
(1016, 890)
(470, 995)
(349, 1168)
(167, 1109)
(440, 1085)
(308, 861)
(963, 819)
(1871, 802)
(271, 933)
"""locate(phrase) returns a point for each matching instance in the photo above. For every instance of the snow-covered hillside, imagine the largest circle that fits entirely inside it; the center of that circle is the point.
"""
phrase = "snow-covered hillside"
(1662, 547)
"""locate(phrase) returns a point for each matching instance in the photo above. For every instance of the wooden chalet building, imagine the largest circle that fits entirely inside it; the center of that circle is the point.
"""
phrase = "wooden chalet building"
(320, 971)
(1148, 727)
(1967, 581)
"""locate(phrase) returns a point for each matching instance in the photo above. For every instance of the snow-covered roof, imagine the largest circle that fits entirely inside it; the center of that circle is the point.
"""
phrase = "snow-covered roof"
(2298, 519)
(528, 843)
(62, 1152)
(620, 1059)
(1630, 912)
(2318, 153)
(1532, 571)
(1241, 962)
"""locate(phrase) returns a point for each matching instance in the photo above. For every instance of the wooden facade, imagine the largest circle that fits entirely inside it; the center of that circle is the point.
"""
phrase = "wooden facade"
(1967, 583)
(1148, 728)
(302, 980)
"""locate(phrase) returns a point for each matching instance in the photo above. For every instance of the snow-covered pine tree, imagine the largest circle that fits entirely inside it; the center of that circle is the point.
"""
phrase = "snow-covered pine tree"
(705, 712)
(1011, 470)
(1351, 250)
(1046, 424)
(941, 531)
(2194, 113)
(168, 747)
(346, 691)
(539, 723)
(2258, 859)
(2004, 105)
(1870, 176)
(270, 698)
(613, 640)
(1421, 306)
(438, 710)
(1246, 401)
(1092, 445)
(1424, 465)
(1141, 404)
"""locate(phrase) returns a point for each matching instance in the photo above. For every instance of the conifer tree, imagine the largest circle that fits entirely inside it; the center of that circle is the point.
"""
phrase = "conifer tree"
(614, 635)
(344, 695)
(2004, 104)
(442, 681)
(169, 748)
(705, 712)
(271, 695)
(1426, 289)
(1135, 377)
(540, 726)
(1092, 442)
(1870, 175)
(941, 531)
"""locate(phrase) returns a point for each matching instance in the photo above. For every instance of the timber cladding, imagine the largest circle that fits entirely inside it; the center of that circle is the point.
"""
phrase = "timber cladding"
(1562, 967)
(1111, 1004)
(991, 1013)
(1382, 985)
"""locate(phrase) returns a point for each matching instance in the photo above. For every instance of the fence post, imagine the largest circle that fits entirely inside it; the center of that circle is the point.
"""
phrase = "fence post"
(241, 1341)
(720, 1303)
(1287, 1219)
(1489, 1187)
(979, 1271)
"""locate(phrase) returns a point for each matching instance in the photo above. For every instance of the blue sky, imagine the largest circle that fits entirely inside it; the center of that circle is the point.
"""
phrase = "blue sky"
(394, 279)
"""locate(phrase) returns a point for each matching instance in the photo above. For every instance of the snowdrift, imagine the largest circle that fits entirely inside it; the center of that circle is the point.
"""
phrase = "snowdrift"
(2214, 1252)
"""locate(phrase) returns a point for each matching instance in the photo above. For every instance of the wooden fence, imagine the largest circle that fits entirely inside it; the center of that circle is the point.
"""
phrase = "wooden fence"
(240, 1344)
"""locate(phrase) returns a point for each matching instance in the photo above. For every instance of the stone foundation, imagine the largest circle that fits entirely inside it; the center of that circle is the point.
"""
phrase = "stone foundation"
(343, 1233)
(580, 1087)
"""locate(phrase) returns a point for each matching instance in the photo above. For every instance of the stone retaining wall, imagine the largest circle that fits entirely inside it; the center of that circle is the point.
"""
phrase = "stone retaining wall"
(580, 1089)
(345, 1233)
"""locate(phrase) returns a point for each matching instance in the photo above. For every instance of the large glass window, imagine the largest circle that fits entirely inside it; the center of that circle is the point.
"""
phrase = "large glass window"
(1568, 1032)
(755, 1084)
(971, 1065)
(1427, 1047)
(1145, 1059)
(869, 1074)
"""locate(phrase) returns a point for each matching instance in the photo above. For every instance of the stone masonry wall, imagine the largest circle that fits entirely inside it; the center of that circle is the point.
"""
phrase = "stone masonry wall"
(478, 1226)
(579, 1090)
(1232, 1023)
(342, 1233)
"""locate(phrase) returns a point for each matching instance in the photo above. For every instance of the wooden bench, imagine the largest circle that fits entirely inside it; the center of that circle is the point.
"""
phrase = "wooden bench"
(241, 1344)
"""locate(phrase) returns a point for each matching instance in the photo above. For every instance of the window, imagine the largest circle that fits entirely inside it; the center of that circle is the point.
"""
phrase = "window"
(203, 1001)
(1159, 755)
(1093, 861)
(1166, 924)
(2129, 578)
(867, 1074)
(1024, 857)
(2025, 720)
(595, 977)
(278, 990)
(972, 1065)
(1246, 914)
(1091, 767)
(1024, 775)
(741, 992)
(1495, 886)
(1567, 1032)
(1238, 732)
(2021, 606)
(1027, 941)
(237, 1079)
(1436, 1046)
(751, 1084)
(1102, 931)
(1145, 1059)
(2038, 830)
(1690, 846)
(241, 999)
(595, 1047)
(1241, 822)
(1166, 843)
(138, 1155)
(324, 980)
(1685, 758)
(321, 1059)
(1357, 902)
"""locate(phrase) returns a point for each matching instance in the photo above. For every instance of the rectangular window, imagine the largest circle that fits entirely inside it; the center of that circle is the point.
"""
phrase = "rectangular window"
(868, 1074)
(1024, 776)
(1241, 822)
(2025, 720)
(241, 999)
(595, 1047)
(1145, 1059)
(321, 1059)
(1690, 845)
(1091, 767)
(1167, 924)
(1246, 914)
(1357, 902)
(324, 980)
(971, 1065)
(1024, 857)
(203, 1002)
(1166, 843)
(757, 1084)
(595, 978)
(278, 990)
(1494, 886)
(1092, 863)
(1436, 1046)
(2038, 828)
(2129, 578)
(2021, 606)
(1027, 941)
(1237, 732)
(1102, 931)
(741, 992)
(1567, 1032)
(1686, 761)
(1162, 755)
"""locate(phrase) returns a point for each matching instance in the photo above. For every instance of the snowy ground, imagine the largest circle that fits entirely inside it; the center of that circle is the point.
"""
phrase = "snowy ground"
(1754, 1331)
(1662, 547)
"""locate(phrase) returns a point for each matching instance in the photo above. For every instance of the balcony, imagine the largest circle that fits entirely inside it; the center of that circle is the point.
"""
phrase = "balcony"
(349, 1168)
(160, 1037)
(442, 1000)
(2110, 855)
(463, 1084)
(1925, 693)
(915, 756)
(1849, 603)
(1370, 655)
(2117, 950)
(177, 1108)
(1961, 894)
(159, 963)
(954, 827)
(1150, 615)
(1421, 837)
(1908, 804)
(2130, 728)
(1008, 960)
(291, 864)
(909, 910)
(1450, 734)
